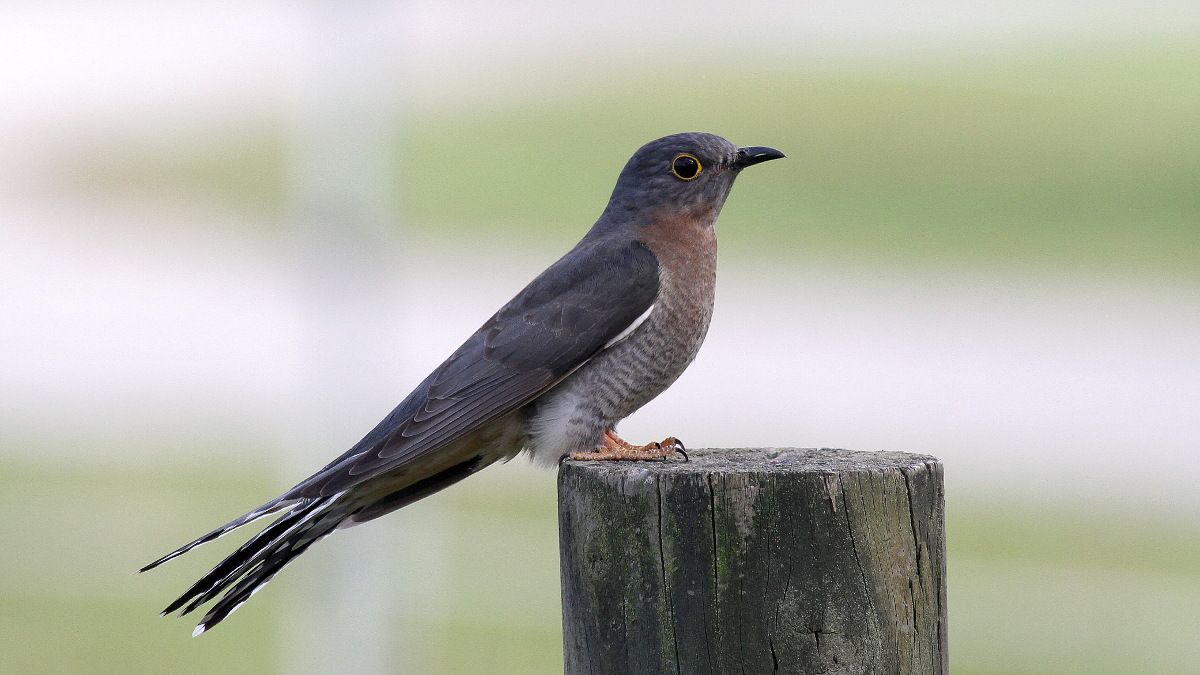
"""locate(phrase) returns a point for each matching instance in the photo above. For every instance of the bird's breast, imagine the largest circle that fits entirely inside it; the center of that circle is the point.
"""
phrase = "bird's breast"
(633, 370)
(685, 246)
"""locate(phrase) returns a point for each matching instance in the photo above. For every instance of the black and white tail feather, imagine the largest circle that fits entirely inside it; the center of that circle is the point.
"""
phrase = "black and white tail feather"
(300, 522)
(244, 572)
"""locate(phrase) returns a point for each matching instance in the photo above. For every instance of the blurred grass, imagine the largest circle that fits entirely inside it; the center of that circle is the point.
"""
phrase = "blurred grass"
(1034, 588)
(72, 601)
(1086, 158)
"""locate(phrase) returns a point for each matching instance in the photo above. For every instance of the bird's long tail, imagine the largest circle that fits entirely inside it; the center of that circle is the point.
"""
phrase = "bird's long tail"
(252, 565)
(271, 507)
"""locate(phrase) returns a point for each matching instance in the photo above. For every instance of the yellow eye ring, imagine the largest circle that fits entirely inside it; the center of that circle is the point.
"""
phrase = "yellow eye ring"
(686, 166)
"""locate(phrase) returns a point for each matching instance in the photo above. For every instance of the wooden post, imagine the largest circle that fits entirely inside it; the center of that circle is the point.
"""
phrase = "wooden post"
(753, 560)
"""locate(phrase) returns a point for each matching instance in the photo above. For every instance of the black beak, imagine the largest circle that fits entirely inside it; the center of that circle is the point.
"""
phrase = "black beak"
(755, 155)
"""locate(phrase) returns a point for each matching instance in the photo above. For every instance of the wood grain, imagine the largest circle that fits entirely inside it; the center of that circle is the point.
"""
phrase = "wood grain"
(754, 560)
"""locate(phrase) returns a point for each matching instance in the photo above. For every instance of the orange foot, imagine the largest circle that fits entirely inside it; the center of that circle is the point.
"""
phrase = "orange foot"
(614, 448)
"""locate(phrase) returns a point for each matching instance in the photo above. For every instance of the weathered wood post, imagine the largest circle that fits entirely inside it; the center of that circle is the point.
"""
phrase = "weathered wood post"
(780, 560)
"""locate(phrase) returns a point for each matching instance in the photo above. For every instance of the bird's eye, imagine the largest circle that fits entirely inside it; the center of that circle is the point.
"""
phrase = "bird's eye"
(685, 166)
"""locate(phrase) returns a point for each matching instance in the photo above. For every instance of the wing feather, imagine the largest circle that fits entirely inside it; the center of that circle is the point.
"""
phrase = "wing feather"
(573, 310)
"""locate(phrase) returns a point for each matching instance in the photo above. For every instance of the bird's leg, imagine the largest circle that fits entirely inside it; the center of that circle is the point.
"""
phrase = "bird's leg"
(614, 448)
(613, 441)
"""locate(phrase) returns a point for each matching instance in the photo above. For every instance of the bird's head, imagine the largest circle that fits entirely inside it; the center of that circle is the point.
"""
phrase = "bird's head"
(684, 173)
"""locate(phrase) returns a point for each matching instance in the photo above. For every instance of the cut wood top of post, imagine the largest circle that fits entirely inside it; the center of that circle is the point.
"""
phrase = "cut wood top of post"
(765, 460)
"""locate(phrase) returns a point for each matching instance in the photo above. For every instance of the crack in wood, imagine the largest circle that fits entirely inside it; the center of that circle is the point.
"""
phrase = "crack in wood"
(712, 512)
(662, 558)
(862, 573)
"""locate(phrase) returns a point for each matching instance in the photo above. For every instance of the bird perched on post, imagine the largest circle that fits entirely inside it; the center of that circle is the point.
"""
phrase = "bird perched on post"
(603, 330)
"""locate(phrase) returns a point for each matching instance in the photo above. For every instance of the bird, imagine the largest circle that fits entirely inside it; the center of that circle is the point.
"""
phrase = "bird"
(598, 334)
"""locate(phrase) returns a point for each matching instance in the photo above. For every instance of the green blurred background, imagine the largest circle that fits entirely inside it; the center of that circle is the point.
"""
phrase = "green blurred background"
(235, 235)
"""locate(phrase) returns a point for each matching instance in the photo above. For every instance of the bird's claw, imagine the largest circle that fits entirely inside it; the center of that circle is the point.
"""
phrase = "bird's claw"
(676, 446)
(614, 448)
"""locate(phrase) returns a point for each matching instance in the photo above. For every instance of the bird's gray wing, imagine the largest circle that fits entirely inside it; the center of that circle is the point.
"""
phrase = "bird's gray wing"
(564, 317)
